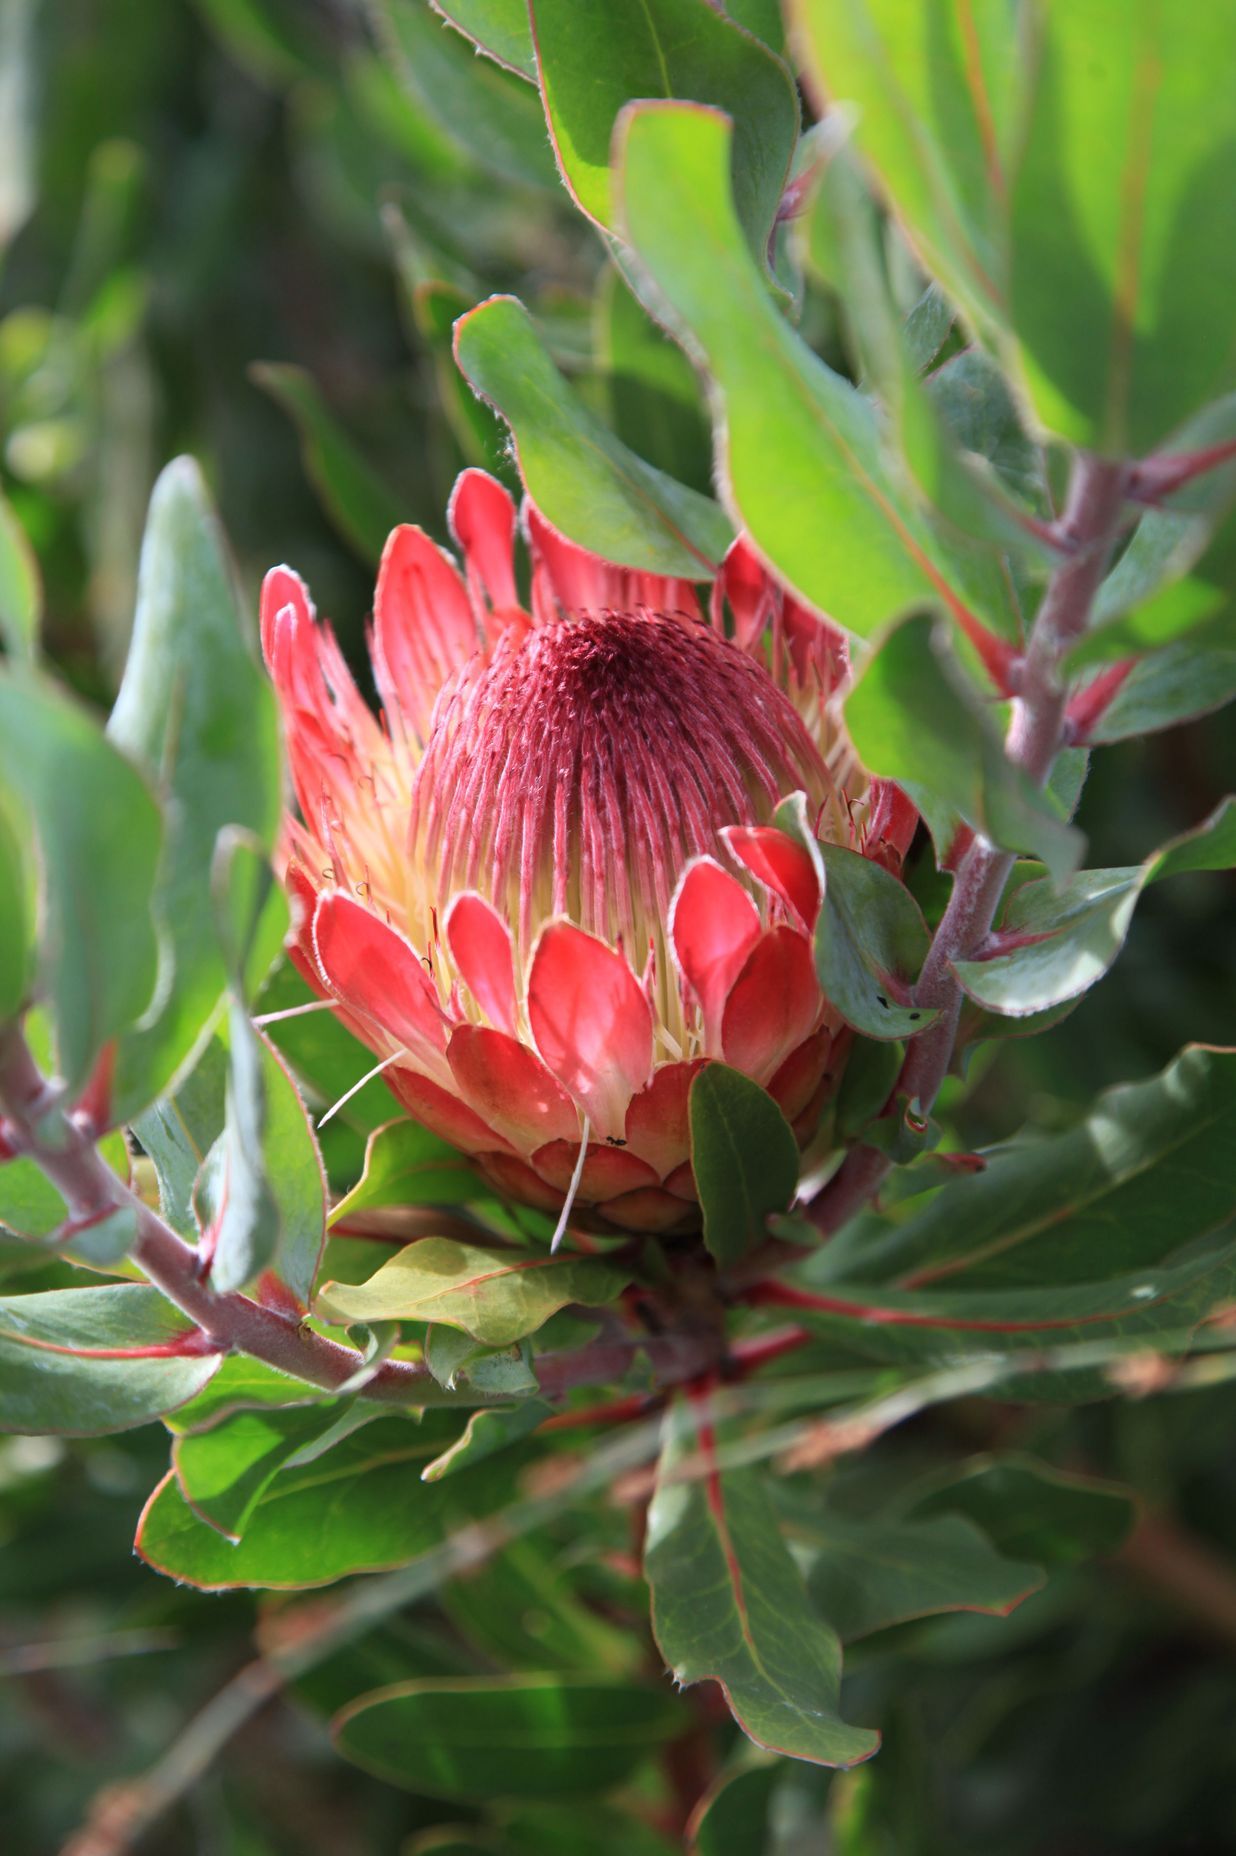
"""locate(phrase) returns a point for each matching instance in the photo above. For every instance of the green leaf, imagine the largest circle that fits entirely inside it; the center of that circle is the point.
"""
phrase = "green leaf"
(582, 479)
(407, 1165)
(55, 1373)
(243, 1384)
(224, 1471)
(733, 1817)
(1061, 942)
(913, 718)
(744, 1157)
(363, 1509)
(870, 942)
(866, 1575)
(799, 450)
(978, 407)
(198, 713)
(1152, 1168)
(519, 1736)
(454, 1358)
(21, 595)
(98, 959)
(178, 1131)
(485, 1434)
(665, 49)
(729, 1605)
(497, 27)
(655, 402)
(940, 432)
(260, 1199)
(93, 1320)
(30, 1205)
(1029, 1508)
(497, 1296)
(1186, 679)
(359, 502)
(1155, 1307)
(1120, 207)
(936, 93)
(487, 112)
(18, 923)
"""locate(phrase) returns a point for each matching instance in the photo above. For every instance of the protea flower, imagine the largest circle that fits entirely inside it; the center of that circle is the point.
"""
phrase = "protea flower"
(545, 886)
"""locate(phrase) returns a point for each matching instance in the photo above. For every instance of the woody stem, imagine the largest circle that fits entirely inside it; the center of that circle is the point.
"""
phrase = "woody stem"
(32, 1124)
(1037, 732)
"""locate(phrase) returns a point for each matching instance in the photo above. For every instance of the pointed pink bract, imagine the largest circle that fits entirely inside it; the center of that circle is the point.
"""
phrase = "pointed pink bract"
(713, 926)
(773, 1006)
(480, 945)
(509, 1087)
(592, 1023)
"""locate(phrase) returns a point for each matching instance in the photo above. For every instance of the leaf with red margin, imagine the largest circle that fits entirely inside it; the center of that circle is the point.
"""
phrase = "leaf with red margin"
(729, 1605)
(1150, 1170)
(363, 1508)
(86, 1362)
(407, 1165)
(584, 481)
(934, 90)
(869, 1574)
(667, 49)
(224, 1469)
(800, 457)
(496, 1296)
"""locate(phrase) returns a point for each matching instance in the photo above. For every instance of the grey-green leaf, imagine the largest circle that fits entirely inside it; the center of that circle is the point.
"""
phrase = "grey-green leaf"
(870, 942)
(729, 1605)
(98, 833)
(197, 712)
(583, 479)
(744, 1158)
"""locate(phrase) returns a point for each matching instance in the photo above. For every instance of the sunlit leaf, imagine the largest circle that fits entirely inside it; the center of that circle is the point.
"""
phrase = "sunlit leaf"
(407, 1165)
(198, 713)
(496, 1296)
(98, 958)
(799, 448)
(1120, 206)
(584, 481)
(591, 64)
(914, 719)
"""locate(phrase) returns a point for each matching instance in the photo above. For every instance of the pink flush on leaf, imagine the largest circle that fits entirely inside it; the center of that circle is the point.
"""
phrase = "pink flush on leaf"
(546, 884)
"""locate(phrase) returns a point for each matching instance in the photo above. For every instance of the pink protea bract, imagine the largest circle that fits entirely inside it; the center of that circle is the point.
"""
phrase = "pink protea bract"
(546, 884)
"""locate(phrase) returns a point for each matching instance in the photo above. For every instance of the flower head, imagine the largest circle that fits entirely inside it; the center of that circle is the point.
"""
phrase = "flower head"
(552, 879)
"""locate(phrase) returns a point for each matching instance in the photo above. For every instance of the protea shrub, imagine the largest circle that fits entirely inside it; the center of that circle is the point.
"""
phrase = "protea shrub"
(571, 861)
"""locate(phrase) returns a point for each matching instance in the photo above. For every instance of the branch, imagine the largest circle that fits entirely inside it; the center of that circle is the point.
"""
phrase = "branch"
(1037, 731)
(34, 1125)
